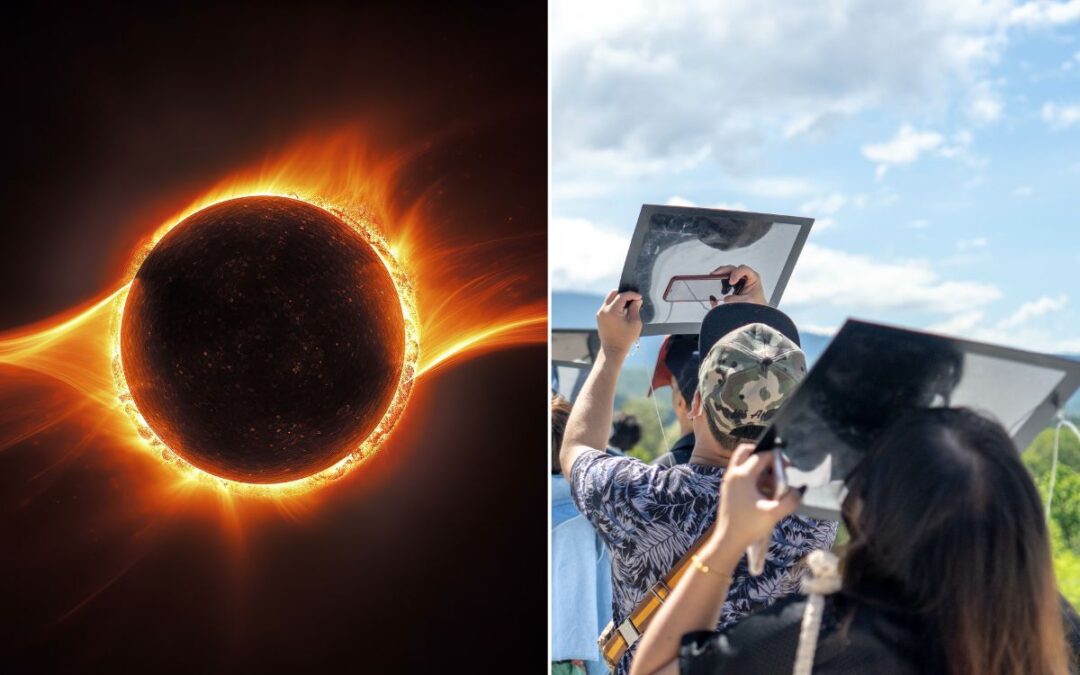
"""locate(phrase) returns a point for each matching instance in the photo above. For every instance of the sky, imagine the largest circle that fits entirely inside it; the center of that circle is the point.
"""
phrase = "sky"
(937, 145)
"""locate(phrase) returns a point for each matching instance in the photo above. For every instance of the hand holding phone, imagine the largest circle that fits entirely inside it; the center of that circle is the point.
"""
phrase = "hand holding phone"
(746, 282)
(750, 506)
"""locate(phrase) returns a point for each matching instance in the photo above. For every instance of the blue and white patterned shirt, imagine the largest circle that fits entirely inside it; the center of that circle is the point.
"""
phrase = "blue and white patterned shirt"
(650, 516)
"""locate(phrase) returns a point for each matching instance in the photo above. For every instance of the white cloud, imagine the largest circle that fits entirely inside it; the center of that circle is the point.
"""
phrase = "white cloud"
(1023, 191)
(1060, 116)
(585, 256)
(1029, 310)
(1019, 329)
(986, 104)
(861, 284)
(1041, 13)
(678, 200)
(972, 244)
(1025, 328)
(588, 257)
(640, 86)
(826, 205)
(579, 189)
(961, 140)
(959, 324)
(644, 91)
(909, 144)
(882, 198)
(828, 330)
(777, 188)
(959, 148)
(904, 148)
(627, 163)
(822, 279)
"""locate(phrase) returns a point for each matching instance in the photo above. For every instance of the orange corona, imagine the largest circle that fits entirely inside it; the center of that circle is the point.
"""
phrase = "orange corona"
(461, 316)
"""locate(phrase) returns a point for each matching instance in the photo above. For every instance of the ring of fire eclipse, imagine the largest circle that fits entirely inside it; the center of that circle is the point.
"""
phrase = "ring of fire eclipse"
(266, 340)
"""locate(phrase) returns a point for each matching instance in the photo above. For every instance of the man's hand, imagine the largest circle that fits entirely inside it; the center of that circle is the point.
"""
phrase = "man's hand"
(589, 425)
(619, 322)
(746, 514)
(752, 290)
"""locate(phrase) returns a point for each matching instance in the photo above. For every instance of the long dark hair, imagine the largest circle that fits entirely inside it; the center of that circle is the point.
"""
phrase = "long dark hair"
(943, 512)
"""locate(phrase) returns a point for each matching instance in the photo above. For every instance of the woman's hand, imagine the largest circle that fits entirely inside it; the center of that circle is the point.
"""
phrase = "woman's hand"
(748, 512)
(752, 290)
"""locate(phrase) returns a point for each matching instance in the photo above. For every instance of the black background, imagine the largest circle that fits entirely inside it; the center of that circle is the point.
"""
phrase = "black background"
(433, 556)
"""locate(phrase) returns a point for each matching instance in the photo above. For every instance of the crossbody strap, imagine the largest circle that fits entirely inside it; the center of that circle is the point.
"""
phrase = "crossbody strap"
(614, 641)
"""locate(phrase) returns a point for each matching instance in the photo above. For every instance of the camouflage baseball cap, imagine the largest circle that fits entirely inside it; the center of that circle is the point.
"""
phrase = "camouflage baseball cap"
(745, 377)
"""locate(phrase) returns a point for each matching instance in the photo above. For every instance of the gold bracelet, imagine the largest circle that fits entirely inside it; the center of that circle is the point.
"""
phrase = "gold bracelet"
(705, 568)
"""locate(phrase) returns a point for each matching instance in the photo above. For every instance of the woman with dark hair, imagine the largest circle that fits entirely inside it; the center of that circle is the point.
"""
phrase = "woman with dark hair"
(948, 569)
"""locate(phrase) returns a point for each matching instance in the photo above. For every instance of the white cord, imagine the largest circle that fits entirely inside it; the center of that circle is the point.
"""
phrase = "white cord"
(1062, 422)
(695, 297)
(823, 579)
(755, 556)
(671, 303)
(660, 421)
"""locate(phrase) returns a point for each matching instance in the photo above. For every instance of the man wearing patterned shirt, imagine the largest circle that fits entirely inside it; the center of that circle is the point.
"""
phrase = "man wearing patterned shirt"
(651, 516)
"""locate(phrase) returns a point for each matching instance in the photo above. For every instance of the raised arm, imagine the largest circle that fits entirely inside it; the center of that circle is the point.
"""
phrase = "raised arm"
(744, 515)
(619, 324)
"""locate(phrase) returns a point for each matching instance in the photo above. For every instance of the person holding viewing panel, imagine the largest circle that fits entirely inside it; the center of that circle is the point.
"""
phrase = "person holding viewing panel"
(650, 517)
(949, 565)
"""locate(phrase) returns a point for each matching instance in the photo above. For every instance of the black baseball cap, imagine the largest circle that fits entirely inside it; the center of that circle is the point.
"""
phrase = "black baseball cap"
(725, 318)
(678, 358)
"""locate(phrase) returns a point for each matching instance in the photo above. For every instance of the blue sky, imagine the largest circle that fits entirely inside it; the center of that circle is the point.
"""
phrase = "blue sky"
(937, 144)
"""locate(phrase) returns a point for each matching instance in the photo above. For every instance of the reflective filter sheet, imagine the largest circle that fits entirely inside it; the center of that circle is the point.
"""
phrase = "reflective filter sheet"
(870, 374)
(674, 247)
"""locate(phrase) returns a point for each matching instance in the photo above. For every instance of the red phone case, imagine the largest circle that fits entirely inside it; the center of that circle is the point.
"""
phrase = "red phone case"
(695, 296)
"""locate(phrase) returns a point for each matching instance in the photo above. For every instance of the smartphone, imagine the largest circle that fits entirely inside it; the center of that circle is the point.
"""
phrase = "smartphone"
(756, 552)
(780, 475)
(699, 288)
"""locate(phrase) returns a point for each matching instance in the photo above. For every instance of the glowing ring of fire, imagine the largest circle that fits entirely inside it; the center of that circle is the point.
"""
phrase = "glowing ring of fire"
(367, 230)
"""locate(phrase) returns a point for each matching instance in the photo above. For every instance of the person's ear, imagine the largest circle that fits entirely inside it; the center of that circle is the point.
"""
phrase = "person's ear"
(677, 400)
(695, 407)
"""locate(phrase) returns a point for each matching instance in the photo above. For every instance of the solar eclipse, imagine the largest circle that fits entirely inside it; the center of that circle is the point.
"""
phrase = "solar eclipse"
(263, 339)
